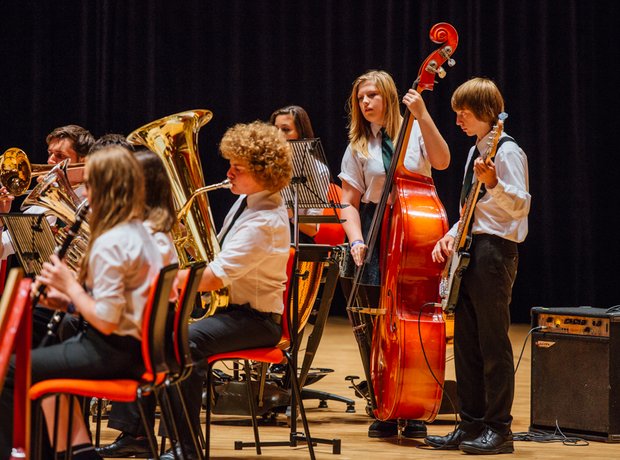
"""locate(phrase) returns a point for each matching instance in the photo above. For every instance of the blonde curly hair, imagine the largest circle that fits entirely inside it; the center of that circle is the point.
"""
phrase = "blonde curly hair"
(264, 149)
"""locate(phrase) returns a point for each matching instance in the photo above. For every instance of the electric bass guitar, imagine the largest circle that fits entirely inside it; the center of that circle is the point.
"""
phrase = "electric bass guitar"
(459, 259)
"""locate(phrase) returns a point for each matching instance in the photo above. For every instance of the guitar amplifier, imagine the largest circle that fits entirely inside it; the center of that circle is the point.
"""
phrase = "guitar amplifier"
(575, 382)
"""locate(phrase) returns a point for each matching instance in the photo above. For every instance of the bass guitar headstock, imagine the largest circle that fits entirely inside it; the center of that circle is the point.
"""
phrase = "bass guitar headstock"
(446, 35)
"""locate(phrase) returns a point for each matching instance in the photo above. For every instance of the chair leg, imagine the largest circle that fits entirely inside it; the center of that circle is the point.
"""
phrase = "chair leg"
(300, 404)
(69, 444)
(208, 414)
(252, 402)
(55, 436)
(98, 423)
(197, 438)
(38, 433)
(167, 419)
(147, 428)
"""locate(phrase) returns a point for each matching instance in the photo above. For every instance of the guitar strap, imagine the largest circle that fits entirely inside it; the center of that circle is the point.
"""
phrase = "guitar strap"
(483, 189)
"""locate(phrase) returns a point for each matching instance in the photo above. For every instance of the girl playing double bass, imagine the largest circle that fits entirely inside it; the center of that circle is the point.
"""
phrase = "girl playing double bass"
(374, 116)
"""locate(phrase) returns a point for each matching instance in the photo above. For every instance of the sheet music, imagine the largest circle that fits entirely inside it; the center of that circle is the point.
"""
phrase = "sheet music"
(311, 177)
(32, 239)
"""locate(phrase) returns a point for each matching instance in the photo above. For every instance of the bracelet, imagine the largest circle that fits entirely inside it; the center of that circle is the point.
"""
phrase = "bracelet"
(71, 308)
(356, 242)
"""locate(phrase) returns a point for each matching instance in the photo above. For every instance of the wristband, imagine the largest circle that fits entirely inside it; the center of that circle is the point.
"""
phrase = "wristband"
(356, 242)
(71, 308)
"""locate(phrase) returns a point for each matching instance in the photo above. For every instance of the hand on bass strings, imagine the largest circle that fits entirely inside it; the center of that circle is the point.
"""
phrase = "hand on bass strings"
(443, 248)
(358, 252)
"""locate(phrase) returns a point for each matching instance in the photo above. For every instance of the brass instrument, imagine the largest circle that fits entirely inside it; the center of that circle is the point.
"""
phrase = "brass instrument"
(16, 171)
(174, 140)
(55, 194)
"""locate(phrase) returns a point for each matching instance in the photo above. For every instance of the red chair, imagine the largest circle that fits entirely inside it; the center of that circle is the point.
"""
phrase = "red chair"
(153, 353)
(178, 353)
(270, 355)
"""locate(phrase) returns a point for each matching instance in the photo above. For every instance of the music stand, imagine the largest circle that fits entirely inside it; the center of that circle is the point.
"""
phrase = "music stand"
(32, 238)
(309, 189)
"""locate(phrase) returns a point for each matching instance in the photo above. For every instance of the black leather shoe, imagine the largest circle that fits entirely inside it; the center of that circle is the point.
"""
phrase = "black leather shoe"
(380, 429)
(489, 442)
(453, 440)
(126, 446)
(169, 454)
(414, 429)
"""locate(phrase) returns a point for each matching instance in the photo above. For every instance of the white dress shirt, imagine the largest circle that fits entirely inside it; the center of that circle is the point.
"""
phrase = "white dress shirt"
(252, 261)
(367, 173)
(123, 263)
(503, 209)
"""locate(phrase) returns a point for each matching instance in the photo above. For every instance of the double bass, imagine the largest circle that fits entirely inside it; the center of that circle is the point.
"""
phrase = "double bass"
(405, 365)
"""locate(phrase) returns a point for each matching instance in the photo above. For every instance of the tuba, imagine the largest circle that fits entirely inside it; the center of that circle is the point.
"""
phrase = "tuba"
(55, 194)
(174, 140)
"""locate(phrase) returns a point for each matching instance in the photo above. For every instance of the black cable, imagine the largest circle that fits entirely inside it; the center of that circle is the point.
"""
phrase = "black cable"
(428, 364)
(546, 437)
(525, 343)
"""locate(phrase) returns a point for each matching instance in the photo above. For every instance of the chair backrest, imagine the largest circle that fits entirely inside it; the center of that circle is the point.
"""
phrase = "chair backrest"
(185, 305)
(332, 234)
(154, 321)
(288, 295)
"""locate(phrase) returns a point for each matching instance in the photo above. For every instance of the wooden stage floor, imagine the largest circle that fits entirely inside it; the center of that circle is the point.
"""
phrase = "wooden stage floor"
(338, 351)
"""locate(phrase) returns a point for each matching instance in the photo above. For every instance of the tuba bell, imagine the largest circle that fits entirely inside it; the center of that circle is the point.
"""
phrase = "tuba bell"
(174, 140)
(55, 194)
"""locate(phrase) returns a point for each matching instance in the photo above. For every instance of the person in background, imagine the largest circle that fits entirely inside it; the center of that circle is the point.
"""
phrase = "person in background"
(294, 123)
(374, 116)
(483, 356)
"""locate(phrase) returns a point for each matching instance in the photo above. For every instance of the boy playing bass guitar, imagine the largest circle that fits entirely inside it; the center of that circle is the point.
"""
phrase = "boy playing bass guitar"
(483, 353)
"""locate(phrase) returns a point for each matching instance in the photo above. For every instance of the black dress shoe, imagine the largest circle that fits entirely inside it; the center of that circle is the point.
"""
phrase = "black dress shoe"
(382, 429)
(169, 454)
(415, 429)
(126, 446)
(489, 442)
(452, 441)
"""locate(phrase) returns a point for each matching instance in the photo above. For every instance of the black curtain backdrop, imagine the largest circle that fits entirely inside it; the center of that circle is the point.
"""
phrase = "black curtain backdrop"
(112, 66)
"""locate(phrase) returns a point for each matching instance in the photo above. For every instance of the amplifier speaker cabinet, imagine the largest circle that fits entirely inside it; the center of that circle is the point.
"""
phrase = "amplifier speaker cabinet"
(575, 383)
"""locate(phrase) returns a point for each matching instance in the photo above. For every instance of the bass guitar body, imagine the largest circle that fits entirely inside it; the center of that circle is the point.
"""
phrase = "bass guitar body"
(449, 287)
(408, 351)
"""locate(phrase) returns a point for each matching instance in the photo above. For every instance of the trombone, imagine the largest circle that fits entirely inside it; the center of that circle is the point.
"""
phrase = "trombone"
(16, 171)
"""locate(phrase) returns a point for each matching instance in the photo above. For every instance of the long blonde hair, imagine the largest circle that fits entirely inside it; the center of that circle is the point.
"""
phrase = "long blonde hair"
(359, 127)
(116, 185)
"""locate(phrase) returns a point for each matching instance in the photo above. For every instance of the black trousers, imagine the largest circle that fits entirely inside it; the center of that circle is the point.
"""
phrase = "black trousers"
(90, 355)
(482, 349)
(234, 328)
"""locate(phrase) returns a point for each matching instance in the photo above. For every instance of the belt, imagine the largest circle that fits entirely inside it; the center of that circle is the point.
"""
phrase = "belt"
(275, 317)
